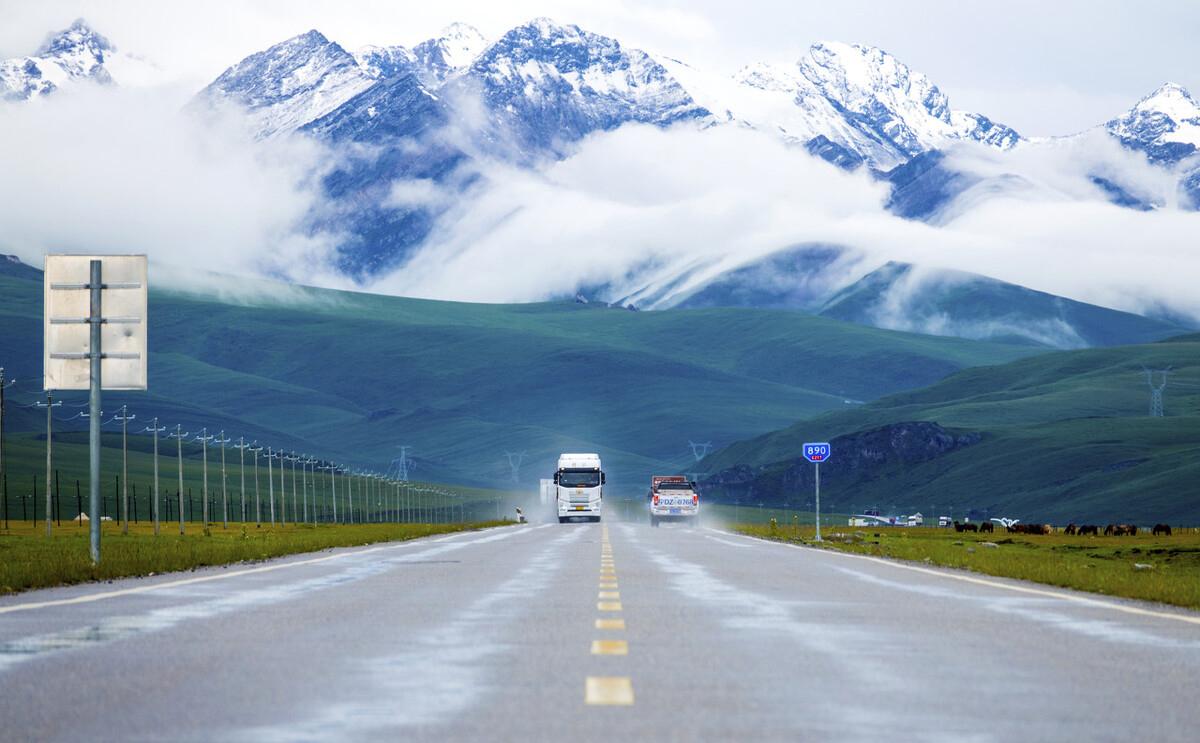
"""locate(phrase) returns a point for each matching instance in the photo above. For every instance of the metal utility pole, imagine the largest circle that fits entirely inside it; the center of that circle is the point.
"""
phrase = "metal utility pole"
(257, 502)
(179, 436)
(49, 405)
(282, 491)
(94, 356)
(295, 511)
(224, 491)
(309, 464)
(271, 484)
(241, 447)
(333, 487)
(125, 418)
(3, 472)
(1156, 390)
(204, 438)
(154, 429)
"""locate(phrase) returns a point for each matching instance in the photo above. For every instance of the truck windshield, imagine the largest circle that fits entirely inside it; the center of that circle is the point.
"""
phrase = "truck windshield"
(579, 478)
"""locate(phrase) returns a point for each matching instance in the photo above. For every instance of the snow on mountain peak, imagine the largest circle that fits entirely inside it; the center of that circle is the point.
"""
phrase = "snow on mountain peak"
(291, 83)
(1165, 124)
(554, 84)
(77, 38)
(76, 53)
(450, 52)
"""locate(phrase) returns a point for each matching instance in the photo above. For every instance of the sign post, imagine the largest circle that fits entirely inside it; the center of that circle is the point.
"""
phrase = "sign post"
(816, 453)
(109, 354)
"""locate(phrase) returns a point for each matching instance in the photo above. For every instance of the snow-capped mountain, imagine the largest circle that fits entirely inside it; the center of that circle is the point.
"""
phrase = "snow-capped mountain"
(76, 54)
(451, 52)
(384, 61)
(1165, 124)
(547, 85)
(848, 103)
(290, 84)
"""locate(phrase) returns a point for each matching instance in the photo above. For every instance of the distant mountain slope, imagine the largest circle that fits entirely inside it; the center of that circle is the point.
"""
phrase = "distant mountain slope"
(901, 297)
(356, 375)
(1061, 436)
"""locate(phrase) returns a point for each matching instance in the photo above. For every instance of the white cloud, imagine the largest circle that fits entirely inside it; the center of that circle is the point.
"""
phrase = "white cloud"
(640, 205)
(116, 170)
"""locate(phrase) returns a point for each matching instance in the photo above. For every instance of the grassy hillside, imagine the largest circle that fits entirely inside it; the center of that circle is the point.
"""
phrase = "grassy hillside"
(352, 376)
(1065, 436)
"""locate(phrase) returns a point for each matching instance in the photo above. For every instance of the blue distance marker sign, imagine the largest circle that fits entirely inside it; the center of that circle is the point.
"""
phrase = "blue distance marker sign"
(817, 452)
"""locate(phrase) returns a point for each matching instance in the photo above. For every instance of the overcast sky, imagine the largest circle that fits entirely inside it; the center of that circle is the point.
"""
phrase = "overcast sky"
(1043, 67)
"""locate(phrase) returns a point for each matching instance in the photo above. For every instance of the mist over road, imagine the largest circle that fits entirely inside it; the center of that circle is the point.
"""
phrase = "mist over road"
(609, 631)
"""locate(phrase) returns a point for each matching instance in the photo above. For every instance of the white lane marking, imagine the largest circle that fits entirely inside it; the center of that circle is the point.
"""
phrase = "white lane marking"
(119, 627)
(88, 598)
(1088, 601)
(1036, 610)
(726, 541)
(454, 657)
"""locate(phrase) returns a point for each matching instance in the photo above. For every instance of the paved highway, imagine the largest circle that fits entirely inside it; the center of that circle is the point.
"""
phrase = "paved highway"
(588, 632)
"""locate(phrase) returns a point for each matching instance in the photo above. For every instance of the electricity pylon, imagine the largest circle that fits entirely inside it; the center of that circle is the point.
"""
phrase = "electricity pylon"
(1156, 390)
(514, 462)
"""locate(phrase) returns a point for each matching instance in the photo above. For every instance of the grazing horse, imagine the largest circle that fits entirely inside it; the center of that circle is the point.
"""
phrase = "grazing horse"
(1110, 530)
(987, 526)
(970, 527)
(1070, 529)
(1127, 530)
(1089, 529)
(1162, 530)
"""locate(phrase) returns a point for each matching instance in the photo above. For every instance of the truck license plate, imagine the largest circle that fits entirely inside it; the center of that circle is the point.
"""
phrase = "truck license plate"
(580, 508)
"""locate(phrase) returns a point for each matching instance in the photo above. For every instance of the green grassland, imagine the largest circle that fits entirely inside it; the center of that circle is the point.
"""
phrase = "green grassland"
(351, 376)
(1065, 436)
(1104, 565)
(28, 559)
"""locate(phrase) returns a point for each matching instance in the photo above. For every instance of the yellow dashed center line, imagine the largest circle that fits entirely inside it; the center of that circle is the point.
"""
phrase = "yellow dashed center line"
(610, 647)
(608, 690)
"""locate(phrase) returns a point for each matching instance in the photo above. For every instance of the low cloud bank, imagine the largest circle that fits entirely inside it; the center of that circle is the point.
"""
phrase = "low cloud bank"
(640, 211)
(636, 207)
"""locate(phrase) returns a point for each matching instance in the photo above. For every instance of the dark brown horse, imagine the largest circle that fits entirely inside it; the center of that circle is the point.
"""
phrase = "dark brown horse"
(1162, 530)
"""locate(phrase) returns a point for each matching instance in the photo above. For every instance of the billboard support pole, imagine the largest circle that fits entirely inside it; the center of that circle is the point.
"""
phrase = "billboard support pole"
(94, 350)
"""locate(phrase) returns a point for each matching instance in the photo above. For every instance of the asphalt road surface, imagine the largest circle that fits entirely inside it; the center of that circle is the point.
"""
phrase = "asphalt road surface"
(583, 632)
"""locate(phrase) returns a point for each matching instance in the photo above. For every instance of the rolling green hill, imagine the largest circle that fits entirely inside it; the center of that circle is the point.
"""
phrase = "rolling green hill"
(1061, 436)
(353, 376)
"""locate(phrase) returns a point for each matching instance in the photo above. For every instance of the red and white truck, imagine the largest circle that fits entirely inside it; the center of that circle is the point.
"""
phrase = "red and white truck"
(673, 498)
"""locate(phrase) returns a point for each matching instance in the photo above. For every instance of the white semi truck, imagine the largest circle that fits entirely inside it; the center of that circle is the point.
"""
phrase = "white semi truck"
(673, 498)
(578, 487)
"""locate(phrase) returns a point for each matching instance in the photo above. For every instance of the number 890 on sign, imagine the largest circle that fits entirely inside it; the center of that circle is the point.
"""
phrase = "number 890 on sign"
(816, 452)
